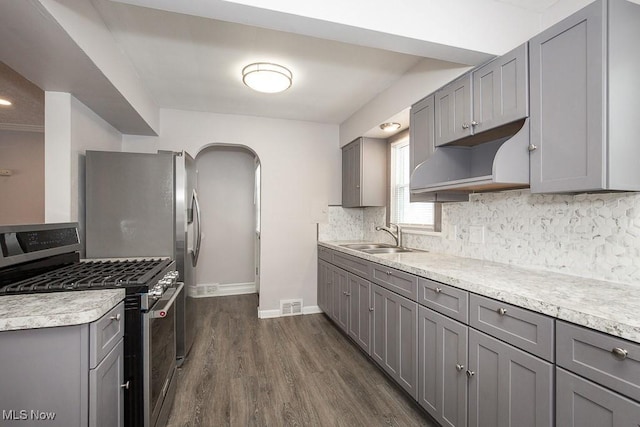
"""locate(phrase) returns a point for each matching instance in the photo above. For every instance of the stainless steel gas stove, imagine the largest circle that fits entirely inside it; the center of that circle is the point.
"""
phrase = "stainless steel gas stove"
(44, 258)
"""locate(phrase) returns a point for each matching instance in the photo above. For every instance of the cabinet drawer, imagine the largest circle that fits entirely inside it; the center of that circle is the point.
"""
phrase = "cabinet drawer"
(532, 332)
(104, 333)
(444, 299)
(399, 282)
(582, 403)
(357, 266)
(325, 253)
(605, 359)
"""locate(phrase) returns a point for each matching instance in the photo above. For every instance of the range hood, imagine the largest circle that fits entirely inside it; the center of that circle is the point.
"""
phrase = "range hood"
(494, 160)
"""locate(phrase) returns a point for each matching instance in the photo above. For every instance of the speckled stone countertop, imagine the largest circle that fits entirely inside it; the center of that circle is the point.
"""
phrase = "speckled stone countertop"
(56, 308)
(609, 307)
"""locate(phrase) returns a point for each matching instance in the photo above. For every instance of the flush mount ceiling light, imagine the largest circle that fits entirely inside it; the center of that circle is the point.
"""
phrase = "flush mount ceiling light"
(267, 77)
(5, 102)
(390, 127)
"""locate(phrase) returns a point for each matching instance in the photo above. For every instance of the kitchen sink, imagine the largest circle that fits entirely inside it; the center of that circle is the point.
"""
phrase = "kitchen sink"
(363, 246)
(387, 250)
(378, 248)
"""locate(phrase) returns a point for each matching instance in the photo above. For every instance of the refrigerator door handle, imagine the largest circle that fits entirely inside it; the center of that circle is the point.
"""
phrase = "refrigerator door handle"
(195, 205)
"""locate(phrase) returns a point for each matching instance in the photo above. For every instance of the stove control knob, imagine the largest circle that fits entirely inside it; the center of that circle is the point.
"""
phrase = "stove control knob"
(157, 291)
(173, 275)
(164, 283)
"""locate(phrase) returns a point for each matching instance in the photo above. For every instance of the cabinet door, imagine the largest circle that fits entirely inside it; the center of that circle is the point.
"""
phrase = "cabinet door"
(567, 103)
(422, 133)
(582, 403)
(500, 90)
(323, 275)
(106, 396)
(507, 386)
(351, 174)
(341, 301)
(453, 111)
(394, 347)
(359, 311)
(442, 361)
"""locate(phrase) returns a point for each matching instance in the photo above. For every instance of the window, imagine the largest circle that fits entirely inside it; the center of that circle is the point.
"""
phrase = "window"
(417, 214)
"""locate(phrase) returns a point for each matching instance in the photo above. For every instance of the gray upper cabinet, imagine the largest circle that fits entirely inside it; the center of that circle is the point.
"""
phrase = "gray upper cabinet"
(500, 90)
(364, 173)
(585, 96)
(453, 111)
(421, 131)
(507, 387)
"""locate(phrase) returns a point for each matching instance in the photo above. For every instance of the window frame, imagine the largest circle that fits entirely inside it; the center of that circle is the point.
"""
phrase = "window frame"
(425, 229)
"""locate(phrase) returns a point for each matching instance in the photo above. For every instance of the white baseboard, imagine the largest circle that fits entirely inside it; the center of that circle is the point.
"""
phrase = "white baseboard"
(312, 309)
(270, 314)
(205, 290)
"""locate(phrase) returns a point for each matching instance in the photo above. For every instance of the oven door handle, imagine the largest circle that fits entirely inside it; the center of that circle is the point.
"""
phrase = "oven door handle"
(162, 307)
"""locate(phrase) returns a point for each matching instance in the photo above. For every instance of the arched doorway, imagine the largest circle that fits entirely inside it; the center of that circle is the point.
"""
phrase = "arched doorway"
(228, 185)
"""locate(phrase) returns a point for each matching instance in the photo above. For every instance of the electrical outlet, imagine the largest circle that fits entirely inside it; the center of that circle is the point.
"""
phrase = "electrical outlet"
(476, 234)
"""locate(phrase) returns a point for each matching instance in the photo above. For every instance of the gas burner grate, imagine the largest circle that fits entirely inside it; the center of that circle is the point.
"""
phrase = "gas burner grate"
(91, 275)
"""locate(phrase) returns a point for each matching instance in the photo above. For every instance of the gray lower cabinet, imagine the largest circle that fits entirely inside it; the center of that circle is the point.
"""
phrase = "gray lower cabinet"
(583, 98)
(394, 337)
(360, 311)
(442, 362)
(64, 376)
(507, 386)
(323, 286)
(339, 286)
(580, 402)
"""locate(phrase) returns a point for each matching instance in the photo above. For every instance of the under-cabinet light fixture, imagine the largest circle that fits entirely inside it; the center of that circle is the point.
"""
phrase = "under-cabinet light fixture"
(4, 102)
(390, 127)
(267, 77)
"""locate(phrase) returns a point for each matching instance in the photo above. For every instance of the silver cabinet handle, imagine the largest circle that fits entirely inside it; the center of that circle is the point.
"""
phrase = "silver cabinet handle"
(459, 367)
(502, 311)
(348, 294)
(357, 185)
(125, 385)
(470, 373)
(474, 123)
(388, 273)
(619, 353)
(116, 317)
(438, 290)
(370, 308)
(532, 147)
(465, 126)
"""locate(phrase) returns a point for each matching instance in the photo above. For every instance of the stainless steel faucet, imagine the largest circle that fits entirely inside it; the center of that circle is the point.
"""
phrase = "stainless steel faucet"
(397, 236)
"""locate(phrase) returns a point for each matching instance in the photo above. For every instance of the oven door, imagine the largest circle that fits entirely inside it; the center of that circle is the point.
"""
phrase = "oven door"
(159, 332)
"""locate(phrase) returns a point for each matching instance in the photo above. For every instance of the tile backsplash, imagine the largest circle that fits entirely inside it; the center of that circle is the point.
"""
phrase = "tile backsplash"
(587, 235)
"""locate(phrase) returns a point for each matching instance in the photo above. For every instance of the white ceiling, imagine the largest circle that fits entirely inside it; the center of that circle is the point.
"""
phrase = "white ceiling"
(193, 63)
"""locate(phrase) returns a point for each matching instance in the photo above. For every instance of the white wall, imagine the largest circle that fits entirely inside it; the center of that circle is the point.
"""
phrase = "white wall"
(424, 78)
(22, 193)
(70, 129)
(301, 164)
(226, 191)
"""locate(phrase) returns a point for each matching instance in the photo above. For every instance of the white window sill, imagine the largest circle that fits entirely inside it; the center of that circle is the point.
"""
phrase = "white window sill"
(420, 231)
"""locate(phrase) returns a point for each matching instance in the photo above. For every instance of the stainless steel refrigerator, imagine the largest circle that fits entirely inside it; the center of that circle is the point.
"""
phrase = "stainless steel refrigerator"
(146, 205)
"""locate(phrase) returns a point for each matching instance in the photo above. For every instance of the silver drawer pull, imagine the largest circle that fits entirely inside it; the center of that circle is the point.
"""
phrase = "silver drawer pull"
(502, 311)
(470, 373)
(459, 367)
(370, 308)
(438, 290)
(125, 385)
(389, 273)
(348, 294)
(116, 317)
(619, 353)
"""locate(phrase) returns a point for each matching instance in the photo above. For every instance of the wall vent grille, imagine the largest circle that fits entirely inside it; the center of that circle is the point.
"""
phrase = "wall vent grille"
(291, 307)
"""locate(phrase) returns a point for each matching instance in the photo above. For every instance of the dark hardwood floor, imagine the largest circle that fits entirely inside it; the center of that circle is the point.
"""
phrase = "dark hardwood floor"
(293, 371)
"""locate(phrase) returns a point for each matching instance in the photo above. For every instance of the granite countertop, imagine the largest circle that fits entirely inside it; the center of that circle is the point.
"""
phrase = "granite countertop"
(56, 309)
(608, 307)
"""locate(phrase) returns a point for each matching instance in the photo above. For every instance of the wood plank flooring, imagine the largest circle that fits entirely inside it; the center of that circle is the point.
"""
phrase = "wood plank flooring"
(291, 371)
